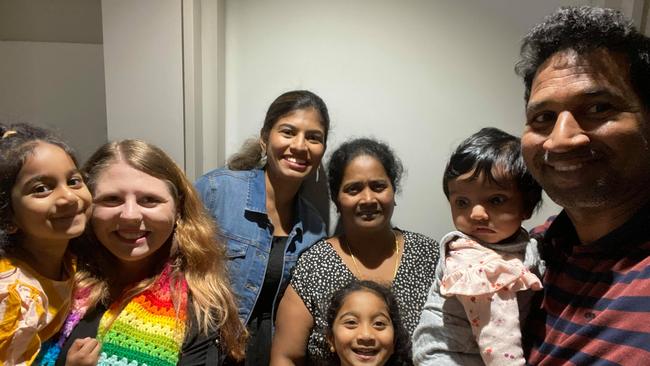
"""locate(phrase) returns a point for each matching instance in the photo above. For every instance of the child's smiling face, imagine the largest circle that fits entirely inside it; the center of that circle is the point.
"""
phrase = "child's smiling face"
(484, 209)
(363, 333)
(50, 200)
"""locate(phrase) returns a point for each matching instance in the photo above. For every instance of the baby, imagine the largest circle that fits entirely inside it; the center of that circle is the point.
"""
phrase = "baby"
(484, 281)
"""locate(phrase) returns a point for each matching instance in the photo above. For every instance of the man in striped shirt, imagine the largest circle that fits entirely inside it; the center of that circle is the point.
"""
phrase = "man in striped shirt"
(587, 77)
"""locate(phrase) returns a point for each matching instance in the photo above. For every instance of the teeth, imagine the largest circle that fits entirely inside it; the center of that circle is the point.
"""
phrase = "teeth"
(297, 161)
(366, 352)
(567, 168)
(132, 235)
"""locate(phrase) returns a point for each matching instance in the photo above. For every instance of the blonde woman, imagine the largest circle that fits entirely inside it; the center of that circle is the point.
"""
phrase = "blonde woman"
(152, 284)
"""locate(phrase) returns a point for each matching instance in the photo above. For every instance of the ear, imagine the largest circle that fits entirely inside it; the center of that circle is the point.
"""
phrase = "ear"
(11, 228)
(330, 341)
(527, 212)
(262, 144)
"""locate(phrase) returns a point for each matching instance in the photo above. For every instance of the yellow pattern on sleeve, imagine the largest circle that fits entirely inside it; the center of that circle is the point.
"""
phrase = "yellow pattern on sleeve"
(32, 309)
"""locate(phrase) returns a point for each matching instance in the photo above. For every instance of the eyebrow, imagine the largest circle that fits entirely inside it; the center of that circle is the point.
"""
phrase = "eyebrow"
(42, 177)
(286, 125)
(591, 93)
(318, 130)
(352, 313)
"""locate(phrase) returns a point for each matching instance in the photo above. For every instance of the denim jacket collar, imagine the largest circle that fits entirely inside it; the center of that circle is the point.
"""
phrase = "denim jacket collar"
(256, 200)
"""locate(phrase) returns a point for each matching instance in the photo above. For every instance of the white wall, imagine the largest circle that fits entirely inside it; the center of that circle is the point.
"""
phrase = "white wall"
(51, 68)
(144, 72)
(421, 75)
(57, 85)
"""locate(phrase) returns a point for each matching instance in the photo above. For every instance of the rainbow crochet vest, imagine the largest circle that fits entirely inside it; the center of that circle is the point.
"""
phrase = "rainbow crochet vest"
(147, 331)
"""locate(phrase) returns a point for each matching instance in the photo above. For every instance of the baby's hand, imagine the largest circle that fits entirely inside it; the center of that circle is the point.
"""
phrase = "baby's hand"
(83, 352)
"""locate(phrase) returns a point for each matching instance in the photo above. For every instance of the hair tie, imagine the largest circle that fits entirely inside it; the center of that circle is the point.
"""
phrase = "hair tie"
(9, 133)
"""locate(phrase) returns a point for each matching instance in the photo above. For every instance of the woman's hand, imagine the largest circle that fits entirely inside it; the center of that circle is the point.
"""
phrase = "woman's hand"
(292, 327)
(83, 352)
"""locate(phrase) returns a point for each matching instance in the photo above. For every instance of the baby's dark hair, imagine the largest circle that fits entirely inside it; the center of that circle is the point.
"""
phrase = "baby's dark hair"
(491, 151)
(17, 142)
(402, 350)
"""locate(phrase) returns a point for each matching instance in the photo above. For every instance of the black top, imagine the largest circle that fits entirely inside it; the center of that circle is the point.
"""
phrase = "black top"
(198, 349)
(260, 325)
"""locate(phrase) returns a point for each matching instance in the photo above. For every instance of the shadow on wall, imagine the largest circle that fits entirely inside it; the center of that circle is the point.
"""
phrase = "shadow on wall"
(317, 193)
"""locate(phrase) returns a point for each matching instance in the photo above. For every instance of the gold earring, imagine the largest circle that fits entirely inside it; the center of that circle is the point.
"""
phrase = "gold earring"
(11, 229)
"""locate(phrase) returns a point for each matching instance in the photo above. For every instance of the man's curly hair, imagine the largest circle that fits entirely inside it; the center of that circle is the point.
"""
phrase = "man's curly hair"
(585, 29)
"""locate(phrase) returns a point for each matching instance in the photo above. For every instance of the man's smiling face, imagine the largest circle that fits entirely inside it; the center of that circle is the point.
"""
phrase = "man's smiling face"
(586, 135)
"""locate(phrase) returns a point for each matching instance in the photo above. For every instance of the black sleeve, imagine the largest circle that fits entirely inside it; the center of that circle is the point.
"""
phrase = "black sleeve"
(199, 348)
(87, 327)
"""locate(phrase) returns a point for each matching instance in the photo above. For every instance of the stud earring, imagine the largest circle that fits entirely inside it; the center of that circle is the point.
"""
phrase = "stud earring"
(11, 229)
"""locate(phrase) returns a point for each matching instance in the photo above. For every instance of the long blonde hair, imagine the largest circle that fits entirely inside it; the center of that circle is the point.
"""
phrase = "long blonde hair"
(196, 252)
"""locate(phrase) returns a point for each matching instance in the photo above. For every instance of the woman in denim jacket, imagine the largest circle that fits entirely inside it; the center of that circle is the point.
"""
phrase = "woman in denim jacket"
(262, 215)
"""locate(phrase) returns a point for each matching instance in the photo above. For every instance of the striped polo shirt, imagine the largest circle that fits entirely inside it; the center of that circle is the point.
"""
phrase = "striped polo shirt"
(596, 297)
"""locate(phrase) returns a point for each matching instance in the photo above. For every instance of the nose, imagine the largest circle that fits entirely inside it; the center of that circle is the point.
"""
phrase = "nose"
(567, 134)
(366, 335)
(367, 195)
(299, 143)
(479, 213)
(66, 196)
(131, 211)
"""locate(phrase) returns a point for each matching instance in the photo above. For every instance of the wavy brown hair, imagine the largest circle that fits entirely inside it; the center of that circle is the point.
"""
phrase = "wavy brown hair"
(195, 251)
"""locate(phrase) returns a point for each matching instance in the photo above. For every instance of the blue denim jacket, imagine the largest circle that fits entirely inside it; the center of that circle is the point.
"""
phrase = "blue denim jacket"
(237, 201)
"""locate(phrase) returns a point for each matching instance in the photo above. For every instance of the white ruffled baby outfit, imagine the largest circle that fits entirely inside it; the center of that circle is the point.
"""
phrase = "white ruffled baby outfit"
(477, 287)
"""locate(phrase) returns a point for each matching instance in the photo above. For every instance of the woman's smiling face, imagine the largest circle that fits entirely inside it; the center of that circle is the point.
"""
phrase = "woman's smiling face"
(295, 145)
(134, 213)
(366, 198)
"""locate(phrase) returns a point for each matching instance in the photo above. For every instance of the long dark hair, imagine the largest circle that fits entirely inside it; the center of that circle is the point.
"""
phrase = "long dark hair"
(249, 155)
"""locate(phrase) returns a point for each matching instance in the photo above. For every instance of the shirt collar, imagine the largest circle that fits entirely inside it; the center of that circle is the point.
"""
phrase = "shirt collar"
(562, 236)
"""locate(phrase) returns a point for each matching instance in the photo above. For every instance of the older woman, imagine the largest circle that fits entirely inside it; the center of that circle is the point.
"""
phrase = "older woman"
(152, 285)
(363, 175)
(264, 218)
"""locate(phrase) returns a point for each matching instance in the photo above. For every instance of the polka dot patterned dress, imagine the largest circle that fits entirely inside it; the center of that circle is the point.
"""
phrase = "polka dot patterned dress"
(320, 272)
